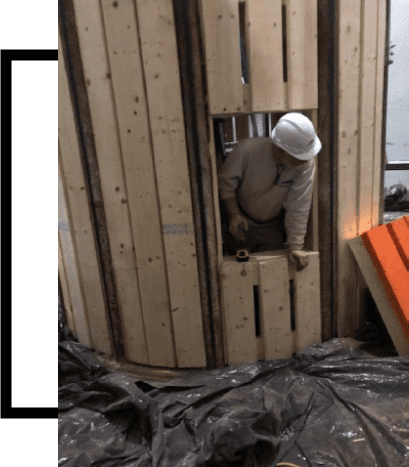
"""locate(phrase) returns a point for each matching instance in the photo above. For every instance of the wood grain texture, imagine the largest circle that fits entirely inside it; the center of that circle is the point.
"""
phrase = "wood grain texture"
(275, 308)
(125, 62)
(302, 57)
(265, 54)
(161, 67)
(115, 192)
(222, 51)
(66, 291)
(238, 310)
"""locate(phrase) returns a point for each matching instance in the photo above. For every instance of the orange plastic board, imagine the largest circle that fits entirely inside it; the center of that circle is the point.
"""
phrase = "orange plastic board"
(388, 248)
(399, 231)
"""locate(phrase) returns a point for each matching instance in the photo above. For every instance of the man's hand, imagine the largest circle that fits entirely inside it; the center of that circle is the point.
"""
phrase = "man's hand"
(299, 258)
(236, 221)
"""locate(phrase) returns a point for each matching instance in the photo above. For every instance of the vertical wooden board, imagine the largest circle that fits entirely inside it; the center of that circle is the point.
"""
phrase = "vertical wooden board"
(238, 311)
(275, 308)
(312, 235)
(76, 294)
(80, 219)
(221, 30)
(161, 68)
(377, 154)
(97, 76)
(302, 54)
(265, 54)
(133, 121)
(307, 303)
(349, 14)
(66, 291)
(369, 33)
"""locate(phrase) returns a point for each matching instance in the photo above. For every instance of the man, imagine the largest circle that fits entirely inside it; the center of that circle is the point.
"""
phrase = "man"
(267, 184)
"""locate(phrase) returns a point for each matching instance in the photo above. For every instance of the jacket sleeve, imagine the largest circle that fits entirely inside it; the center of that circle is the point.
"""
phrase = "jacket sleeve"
(298, 205)
(231, 173)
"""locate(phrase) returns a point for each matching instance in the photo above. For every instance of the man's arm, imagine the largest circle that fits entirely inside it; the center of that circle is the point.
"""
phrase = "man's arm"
(229, 178)
(236, 218)
(298, 205)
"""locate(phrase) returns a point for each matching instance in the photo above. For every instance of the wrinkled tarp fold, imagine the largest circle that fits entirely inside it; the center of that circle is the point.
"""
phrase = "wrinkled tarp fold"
(332, 405)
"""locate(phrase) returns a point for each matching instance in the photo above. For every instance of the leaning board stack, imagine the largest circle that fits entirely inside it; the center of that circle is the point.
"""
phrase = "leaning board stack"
(383, 256)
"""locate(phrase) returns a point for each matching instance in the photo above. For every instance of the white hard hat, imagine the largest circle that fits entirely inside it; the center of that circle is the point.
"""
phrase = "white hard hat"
(295, 134)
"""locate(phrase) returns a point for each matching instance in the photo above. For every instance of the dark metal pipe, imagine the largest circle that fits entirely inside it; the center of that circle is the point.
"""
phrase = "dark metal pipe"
(327, 162)
(197, 132)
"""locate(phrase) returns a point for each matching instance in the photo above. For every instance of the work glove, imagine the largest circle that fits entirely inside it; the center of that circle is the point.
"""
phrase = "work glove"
(299, 258)
(238, 227)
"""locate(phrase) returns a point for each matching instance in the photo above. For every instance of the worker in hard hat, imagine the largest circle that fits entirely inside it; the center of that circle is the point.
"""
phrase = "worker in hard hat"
(267, 184)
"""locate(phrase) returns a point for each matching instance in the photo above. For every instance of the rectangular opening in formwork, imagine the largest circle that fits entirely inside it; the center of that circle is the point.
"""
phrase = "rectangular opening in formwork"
(270, 310)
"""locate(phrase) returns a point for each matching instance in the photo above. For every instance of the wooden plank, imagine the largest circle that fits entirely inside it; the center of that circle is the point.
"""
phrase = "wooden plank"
(382, 300)
(97, 71)
(265, 54)
(76, 293)
(275, 308)
(66, 291)
(80, 221)
(302, 56)
(161, 67)
(121, 31)
(349, 14)
(220, 21)
(312, 235)
(238, 310)
(367, 113)
(307, 303)
(377, 145)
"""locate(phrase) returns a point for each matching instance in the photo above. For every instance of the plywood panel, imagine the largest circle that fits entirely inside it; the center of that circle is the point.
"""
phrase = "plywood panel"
(80, 219)
(275, 308)
(238, 310)
(97, 77)
(265, 54)
(160, 61)
(222, 51)
(349, 13)
(307, 303)
(302, 56)
(133, 122)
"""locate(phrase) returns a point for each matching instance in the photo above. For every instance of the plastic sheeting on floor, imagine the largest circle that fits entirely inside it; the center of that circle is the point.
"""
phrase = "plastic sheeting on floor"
(331, 405)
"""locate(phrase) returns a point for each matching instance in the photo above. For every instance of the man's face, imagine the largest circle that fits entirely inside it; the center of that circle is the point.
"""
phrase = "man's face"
(290, 160)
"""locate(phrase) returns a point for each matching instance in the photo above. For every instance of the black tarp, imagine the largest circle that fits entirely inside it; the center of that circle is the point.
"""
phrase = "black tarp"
(332, 404)
(396, 198)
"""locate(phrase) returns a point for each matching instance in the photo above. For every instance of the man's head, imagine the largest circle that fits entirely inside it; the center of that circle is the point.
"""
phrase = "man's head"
(294, 134)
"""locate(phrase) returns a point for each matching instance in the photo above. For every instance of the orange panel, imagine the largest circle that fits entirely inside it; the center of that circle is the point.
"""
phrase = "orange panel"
(388, 255)
(399, 231)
